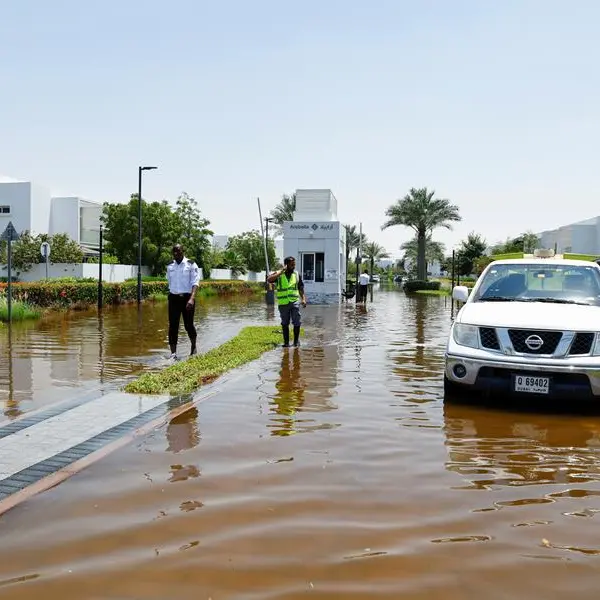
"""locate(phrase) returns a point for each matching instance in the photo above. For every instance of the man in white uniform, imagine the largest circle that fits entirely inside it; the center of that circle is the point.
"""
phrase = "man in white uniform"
(183, 277)
(363, 286)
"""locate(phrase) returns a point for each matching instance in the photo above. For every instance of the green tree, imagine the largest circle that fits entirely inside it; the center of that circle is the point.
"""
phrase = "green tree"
(526, 242)
(162, 227)
(470, 250)
(373, 252)
(234, 261)
(283, 212)
(353, 241)
(250, 246)
(423, 213)
(433, 251)
(26, 251)
(192, 229)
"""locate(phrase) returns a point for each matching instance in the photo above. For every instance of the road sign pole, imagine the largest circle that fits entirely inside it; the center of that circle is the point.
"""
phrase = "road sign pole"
(9, 235)
(46, 265)
(9, 288)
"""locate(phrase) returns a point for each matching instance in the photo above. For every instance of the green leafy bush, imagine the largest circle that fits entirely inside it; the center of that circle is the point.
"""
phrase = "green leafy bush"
(414, 285)
(76, 294)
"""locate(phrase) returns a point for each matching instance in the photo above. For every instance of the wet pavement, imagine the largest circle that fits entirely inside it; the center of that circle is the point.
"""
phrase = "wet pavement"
(332, 471)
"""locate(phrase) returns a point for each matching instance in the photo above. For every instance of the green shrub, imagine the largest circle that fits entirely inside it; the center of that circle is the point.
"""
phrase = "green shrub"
(76, 294)
(414, 285)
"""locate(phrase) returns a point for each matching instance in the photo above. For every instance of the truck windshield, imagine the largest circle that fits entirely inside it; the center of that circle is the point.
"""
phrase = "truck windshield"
(561, 284)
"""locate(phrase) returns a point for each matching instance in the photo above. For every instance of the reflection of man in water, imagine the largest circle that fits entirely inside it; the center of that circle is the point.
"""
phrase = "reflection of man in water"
(290, 392)
(182, 431)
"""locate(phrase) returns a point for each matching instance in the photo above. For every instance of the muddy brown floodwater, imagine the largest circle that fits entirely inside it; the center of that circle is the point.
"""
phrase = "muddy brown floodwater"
(333, 471)
(77, 353)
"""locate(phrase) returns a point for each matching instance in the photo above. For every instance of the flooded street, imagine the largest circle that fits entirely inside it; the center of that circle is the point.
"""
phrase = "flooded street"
(332, 471)
(70, 354)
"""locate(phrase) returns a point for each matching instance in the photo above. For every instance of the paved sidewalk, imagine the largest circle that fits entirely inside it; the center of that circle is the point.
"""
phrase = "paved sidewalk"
(56, 441)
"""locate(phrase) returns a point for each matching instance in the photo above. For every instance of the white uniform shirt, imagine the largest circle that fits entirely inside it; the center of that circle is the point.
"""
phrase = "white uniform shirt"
(364, 279)
(182, 277)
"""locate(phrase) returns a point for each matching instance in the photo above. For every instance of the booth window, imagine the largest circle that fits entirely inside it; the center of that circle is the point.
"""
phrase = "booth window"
(313, 266)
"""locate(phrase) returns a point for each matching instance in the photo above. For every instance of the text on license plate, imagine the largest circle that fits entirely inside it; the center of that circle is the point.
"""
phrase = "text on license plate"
(533, 385)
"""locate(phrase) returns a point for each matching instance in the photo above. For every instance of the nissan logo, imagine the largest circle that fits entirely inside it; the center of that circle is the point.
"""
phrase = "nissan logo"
(534, 342)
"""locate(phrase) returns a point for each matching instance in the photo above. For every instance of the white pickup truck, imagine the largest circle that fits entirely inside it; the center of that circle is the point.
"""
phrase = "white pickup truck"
(530, 326)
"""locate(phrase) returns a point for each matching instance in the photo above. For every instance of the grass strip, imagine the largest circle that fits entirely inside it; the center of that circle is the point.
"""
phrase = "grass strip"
(187, 376)
(441, 292)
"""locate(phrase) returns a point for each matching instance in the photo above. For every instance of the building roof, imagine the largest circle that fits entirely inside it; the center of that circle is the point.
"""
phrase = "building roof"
(7, 179)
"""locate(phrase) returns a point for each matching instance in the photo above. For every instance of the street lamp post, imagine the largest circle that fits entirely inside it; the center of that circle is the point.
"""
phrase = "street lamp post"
(139, 273)
(270, 293)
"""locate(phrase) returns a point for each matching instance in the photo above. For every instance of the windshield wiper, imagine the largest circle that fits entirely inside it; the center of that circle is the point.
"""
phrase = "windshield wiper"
(496, 299)
(556, 301)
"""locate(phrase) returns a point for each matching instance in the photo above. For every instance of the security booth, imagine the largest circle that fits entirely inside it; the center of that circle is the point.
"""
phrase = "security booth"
(318, 242)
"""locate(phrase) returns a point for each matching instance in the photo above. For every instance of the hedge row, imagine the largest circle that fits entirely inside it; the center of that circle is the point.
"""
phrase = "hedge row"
(46, 294)
(414, 285)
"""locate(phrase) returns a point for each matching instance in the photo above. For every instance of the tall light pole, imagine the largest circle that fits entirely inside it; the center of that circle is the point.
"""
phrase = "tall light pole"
(139, 274)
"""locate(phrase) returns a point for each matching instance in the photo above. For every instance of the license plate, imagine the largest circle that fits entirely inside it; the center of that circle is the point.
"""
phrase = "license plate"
(532, 384)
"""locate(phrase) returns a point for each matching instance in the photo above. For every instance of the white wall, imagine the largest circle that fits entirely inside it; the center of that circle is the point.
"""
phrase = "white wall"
(64, 217)
(110, 273)
(17, 196)
(315, 205)
(40, 209)
(225, 274)
(580, 238)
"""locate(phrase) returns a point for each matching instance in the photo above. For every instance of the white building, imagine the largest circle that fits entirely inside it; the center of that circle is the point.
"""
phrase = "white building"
(582, 237)
(279, 250)
(32, 208)
(318, 242)
(220, 241)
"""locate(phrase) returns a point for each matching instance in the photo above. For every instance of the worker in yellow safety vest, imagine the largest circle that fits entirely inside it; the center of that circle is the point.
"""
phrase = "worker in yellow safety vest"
(289, 291)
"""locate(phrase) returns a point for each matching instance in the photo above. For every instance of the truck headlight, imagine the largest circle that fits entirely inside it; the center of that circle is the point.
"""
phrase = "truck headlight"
(596, 347)
(468, 335)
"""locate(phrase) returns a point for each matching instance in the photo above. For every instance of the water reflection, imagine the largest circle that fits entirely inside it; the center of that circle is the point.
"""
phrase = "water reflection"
(308, 376)
(11, 406)
(182, 431)
(290, 393)
(494, 448)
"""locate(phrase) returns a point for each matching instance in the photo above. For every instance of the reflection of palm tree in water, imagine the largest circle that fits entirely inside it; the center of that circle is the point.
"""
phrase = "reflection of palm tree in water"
(290, 392)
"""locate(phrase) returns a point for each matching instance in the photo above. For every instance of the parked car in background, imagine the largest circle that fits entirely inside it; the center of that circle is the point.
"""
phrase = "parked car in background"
(529, 327)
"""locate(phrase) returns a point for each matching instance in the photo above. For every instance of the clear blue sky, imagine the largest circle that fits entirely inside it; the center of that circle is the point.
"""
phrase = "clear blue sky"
(495, 105)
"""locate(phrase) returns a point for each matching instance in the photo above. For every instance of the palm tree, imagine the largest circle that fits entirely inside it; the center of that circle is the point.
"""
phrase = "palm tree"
(421, 212)
(283, 212)
(353, 241)
(434, 250)
(373, 252)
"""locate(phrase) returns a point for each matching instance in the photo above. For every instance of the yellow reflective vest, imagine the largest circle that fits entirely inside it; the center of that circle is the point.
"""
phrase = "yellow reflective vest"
(287, 289)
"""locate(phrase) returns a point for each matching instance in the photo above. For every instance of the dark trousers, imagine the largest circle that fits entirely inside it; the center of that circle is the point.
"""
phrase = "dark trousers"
(362, 293)
(177, 308)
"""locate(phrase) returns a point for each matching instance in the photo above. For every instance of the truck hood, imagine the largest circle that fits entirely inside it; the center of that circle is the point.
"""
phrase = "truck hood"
(531, 315)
